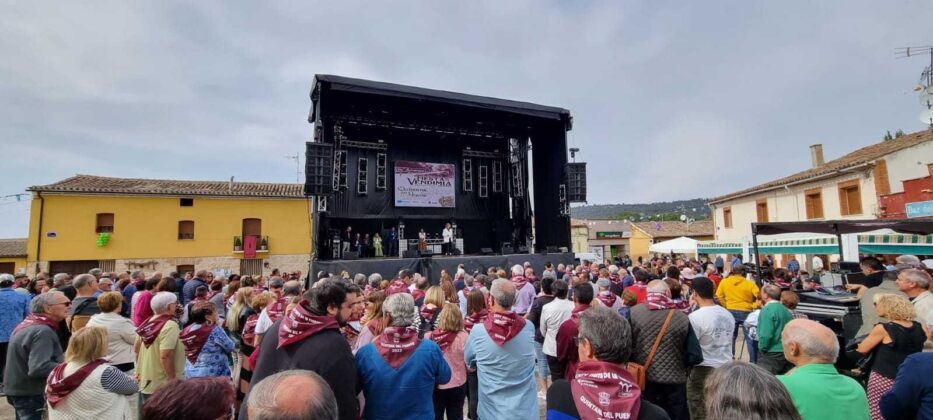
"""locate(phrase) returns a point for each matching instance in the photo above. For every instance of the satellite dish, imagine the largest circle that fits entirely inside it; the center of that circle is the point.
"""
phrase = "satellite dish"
(927, 116)
(926, 99)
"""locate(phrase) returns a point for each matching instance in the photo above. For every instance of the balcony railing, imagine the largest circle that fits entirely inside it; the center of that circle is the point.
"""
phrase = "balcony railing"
(262, 243)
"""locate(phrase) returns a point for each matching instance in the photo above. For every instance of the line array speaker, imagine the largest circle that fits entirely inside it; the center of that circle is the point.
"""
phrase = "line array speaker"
(319, 169)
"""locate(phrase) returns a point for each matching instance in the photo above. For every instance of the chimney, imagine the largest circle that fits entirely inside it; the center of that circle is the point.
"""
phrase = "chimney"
(816, 155)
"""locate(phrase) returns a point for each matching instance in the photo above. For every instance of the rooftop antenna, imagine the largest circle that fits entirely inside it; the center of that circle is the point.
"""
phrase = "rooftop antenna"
(573, 153)
(925, 85)
(297, 158)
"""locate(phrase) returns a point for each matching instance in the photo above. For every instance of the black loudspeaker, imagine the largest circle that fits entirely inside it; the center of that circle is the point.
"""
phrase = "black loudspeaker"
(456, 251)
(319, 169)
(576, 182)
(506, 250)
(350, 255)
(410, 253)
(486, 251)
(552, 250)
(427, 253)
(523, 249)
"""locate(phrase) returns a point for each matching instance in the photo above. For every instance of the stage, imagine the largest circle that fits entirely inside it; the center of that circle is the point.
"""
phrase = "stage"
(431, 266)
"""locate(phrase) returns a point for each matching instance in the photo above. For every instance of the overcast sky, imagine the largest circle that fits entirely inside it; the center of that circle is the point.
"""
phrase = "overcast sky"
(670, 100)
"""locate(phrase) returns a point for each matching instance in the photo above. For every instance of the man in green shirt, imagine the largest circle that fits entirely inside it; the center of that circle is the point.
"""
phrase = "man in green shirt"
(774, 316)
(818, 390)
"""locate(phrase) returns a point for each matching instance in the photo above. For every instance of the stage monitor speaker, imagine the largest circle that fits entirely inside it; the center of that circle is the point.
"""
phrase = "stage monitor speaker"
(319, 169)
(523, 249)
(351, 255)
(576, 182)
(410, 253)
(456, 251)
(486, 251)
(507, 250)
(552, 250)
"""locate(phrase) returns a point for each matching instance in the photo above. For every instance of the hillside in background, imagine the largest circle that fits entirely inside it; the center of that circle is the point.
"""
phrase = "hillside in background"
(666, 210)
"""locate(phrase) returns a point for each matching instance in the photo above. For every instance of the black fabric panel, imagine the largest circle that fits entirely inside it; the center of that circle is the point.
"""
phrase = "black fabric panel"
(549, 162)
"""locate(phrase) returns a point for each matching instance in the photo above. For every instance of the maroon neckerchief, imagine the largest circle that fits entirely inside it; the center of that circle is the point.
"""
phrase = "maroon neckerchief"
(36, 319)
(417, 294)
(577, 309)
(397, 286)
(300, 323)
(603, 390)
(444, 338)
(615, 279)
(276, 309)
(607, 298)
(58, 386)
(249, 330)
(195, 339)
(396, 344)
(150, 329)
(682, 305)
(475, 318)
(519, 282)
(212, 293)
(428, 314)
(657, 301)
(503, 326)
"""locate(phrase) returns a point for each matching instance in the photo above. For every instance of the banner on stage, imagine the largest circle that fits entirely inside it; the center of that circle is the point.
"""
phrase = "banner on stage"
(423, 184)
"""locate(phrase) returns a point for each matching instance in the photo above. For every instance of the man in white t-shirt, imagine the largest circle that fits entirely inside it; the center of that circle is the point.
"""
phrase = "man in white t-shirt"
(553, 316)
(712, 324)
(817, 265)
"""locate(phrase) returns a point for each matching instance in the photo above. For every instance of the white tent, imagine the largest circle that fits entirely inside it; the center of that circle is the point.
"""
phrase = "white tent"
(681, 245)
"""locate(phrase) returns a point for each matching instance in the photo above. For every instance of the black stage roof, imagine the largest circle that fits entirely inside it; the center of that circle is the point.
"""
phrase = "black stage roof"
(347, 84)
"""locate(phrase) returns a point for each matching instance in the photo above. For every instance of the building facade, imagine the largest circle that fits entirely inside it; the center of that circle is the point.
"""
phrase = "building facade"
(579, 234)
(12, 255)
(644, 234)
(120, 224)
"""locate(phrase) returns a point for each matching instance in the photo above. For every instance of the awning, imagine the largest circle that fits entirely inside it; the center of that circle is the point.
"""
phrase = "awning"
(896, 244)
(714, 247)
(681, 245)
(833, 227)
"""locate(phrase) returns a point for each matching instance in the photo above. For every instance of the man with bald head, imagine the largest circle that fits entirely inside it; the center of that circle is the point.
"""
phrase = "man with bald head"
(273, 399)
(818, 390)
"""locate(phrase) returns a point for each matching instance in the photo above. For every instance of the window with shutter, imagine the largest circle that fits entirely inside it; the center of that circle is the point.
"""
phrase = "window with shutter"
(850, 198)
(727, 217)
(186, 229)
(104, 223)
(814, 203)
(761, 206)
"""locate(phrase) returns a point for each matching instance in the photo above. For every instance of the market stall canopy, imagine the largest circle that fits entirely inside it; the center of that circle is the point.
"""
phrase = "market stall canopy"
(681, 245)
(834, 227)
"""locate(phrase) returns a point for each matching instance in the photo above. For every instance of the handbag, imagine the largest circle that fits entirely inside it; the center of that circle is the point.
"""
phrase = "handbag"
(640, 372)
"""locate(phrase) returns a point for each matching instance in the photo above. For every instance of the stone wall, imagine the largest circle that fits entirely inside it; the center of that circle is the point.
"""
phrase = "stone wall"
(289, 263)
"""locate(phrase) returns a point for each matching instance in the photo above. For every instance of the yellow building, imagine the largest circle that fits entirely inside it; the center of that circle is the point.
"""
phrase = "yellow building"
(120, 224)
(12, 255)
(579, 232)
(646, 233)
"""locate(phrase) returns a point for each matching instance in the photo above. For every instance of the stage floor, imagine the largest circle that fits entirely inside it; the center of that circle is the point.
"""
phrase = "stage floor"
(431, 267)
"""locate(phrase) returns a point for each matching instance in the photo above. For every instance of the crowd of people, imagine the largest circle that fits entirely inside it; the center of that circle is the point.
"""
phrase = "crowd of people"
(651, 339)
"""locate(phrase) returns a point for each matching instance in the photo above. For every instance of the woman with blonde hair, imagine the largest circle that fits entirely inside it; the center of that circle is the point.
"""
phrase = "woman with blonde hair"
(430, 309)
(241, 304)
(85, 386)
(374, 320)
(121, 333)
(451, 338)
(891, 342)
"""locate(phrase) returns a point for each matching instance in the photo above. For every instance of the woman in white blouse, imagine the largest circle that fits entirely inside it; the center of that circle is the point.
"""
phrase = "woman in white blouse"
(448, 234)
(121, 334)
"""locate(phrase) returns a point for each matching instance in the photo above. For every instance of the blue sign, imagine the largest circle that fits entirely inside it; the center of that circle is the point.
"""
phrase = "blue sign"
(920, 209)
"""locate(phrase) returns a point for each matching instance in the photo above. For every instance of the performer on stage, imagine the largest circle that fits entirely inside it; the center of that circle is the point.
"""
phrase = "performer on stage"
(367, 247)
(358, 245)
(422, 241)
(377, 244)
(448, 235)
(346, 239)
(393, 242)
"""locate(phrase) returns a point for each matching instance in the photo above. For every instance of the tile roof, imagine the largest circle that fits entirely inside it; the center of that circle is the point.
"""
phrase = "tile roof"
(677, 229)
(861, 156)
(90, 184)
(15, 247)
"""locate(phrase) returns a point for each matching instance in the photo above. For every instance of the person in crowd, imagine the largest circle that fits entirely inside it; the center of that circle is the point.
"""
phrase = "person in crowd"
(526, 291)
(121, 334)
(534, 316)
(916, 285)
(421, 285)
(818, 390)
(191, 286)
(713, 275)
(790, 300)
(740, 296)
(281, 292)
(891, 342)
(867, 301)
(553, 316)
(85, 385)
(309, 338)
(104, 284)
(605, 347)
(160, 354)
(33, 352)
(137, 278)
(566, 338)
(450, 337)
(85, 304)
(21, 280)
(793, 266)
(241, 322)
(677, 291)
(629, 300)
(739, 390)
(502, 352)
(351, 330)
(640, 288)
(374, 320)
(37, 287)
(174, 400)
(469, 283)
(399, 359)
(450, 291)
(666, 372)
(142, 308)
(712, 325)
(200, 296)
(14, 307)
(771, 321)
(912, 394)
(605, 295)
(430, 310)
(476, 314)
(720, 264)
(216, 297)
(274, 398)
(207, 346)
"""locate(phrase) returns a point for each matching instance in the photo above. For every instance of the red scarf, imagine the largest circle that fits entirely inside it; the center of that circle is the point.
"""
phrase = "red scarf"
(428, 314)
(503, 326)
(249, 330)
(607, 298)
(603, 390)
(194, 339)
(276, 309)
(476, 318)
(300, 323)
(58, 386)
(396, 344)
(36, 319)
(657, 301)
(150, 329)
(444, 338)
(417, 294)
(577, 309)
(519, 282)
(397, 286)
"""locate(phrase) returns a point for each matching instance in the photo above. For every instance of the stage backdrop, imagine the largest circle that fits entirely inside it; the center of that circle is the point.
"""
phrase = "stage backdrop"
(422, 184)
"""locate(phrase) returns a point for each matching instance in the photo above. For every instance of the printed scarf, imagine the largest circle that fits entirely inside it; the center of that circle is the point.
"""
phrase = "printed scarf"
(503, 326)
(475, 318)
(603, 390)
(657, 301)
(396, 344)
(58, 386)
(150, 329)
(300, 323)
(36, 319)
(194, 339)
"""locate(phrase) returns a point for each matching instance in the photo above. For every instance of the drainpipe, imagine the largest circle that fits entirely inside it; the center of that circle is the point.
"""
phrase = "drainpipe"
(39, 233)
